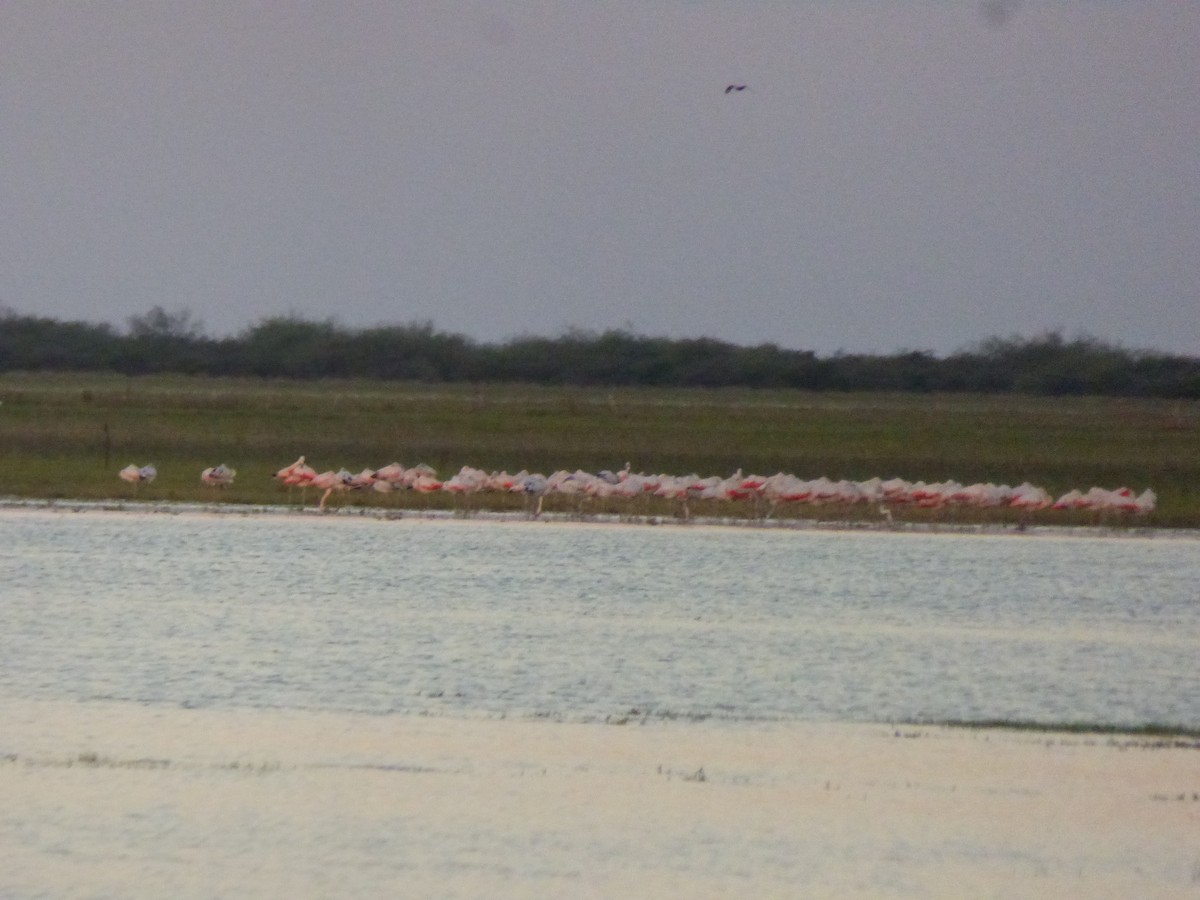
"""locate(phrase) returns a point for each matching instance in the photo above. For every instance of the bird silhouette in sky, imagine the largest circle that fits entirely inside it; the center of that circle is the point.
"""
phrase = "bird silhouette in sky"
(735, 87)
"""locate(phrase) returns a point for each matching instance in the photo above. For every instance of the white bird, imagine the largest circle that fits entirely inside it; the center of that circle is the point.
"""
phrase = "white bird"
(136, 475)
(535, 485)
(218, 476)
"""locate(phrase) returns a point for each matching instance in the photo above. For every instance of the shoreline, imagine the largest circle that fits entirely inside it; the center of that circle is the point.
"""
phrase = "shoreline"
(170, 507)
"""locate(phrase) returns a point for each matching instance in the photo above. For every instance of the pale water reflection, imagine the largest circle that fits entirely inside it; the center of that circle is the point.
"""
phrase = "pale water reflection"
(201, 706)
(585, 622)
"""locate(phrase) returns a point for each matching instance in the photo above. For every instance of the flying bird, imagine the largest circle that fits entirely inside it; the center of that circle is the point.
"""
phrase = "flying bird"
(735, 87)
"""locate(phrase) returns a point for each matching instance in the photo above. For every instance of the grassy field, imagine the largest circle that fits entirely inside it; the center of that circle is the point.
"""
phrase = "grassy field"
(66, 436)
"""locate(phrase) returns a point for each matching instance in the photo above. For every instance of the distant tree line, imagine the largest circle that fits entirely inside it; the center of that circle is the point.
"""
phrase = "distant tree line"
(289, 347)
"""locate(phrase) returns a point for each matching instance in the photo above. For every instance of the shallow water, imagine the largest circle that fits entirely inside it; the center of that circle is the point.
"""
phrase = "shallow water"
(198, 705)
(581, 622)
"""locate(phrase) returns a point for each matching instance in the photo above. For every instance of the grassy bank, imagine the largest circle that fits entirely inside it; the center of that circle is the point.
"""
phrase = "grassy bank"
(65, 436)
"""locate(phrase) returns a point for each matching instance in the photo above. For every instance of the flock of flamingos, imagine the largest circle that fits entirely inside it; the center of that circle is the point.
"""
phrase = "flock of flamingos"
(766, 493)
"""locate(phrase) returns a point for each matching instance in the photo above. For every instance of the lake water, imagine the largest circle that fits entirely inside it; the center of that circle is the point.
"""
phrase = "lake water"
(278, 704)
(585, 622)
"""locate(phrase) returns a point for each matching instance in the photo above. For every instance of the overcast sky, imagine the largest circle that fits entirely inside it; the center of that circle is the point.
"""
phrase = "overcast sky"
(906, 174)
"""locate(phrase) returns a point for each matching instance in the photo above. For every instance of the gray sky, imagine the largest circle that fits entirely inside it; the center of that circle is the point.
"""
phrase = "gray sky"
(898, 175)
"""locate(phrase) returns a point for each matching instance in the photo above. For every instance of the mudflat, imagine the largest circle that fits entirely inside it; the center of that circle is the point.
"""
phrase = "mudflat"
(111, 798)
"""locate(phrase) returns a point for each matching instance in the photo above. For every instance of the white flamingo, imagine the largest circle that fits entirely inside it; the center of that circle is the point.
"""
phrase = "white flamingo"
(218, 476)
(138, 475)
(535, 485)
(466, 483)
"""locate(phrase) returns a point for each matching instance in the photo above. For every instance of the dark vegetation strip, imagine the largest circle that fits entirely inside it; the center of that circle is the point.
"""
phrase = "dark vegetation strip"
(1150, 730)
(288, 347)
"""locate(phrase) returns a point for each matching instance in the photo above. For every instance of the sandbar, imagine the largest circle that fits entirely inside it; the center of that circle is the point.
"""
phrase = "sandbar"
(107, 798)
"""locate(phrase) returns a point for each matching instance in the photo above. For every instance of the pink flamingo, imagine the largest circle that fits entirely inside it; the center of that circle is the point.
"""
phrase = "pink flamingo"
(298, 474)
(330, 482)
(468, 481)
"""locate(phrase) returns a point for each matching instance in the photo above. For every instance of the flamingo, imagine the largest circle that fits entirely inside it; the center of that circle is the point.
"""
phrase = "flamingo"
(331, 481)
(137, 475)
(363, 480)
(503, 482)
(1072, 499)
(287, 474)
(392, 475)
(1034, 496)
(936, 495)
(1028, 496)
(298, 474)
(220, 476)
(824, 491)
(765, 493)
(979, 496)
(423, 479)
(1102, 500)
(716, 488)
(426, 484)
(677, 488)
(468, 481)
(419, 472)
(615, 477)
(570, 484)
(599, 489)
(895, 490)
(535, 485)
(871, 490)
